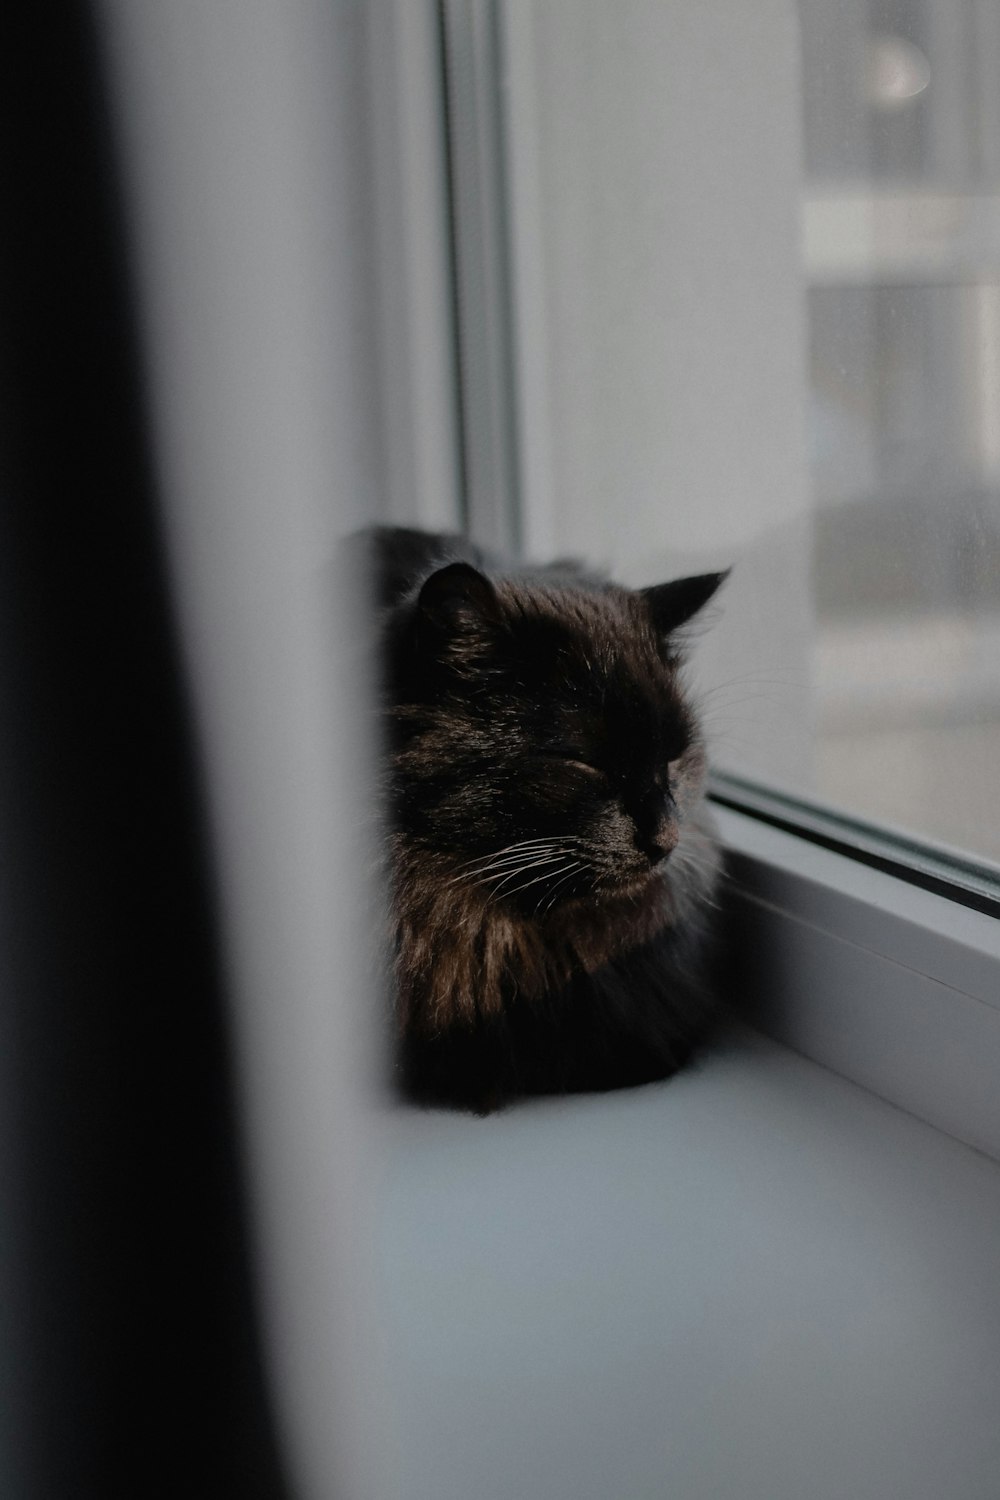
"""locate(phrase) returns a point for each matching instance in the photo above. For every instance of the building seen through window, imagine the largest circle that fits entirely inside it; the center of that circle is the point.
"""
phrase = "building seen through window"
(901, 251)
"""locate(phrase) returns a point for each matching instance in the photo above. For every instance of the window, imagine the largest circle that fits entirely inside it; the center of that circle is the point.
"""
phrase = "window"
(750, 265)
(725, 291)
(901, 255)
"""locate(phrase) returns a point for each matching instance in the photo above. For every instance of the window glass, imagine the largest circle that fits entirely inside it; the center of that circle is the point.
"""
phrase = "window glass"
(754, 277)
(901, 252)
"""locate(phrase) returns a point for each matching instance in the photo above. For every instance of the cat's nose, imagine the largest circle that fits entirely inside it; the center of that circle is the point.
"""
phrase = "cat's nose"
(663, 840)
(666, 838)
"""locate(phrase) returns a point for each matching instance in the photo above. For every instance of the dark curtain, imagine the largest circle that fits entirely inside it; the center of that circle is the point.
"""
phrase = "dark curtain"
(131, 1361)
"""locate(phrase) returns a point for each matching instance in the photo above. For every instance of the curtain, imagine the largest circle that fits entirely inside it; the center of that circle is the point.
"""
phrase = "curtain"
(131, 1351)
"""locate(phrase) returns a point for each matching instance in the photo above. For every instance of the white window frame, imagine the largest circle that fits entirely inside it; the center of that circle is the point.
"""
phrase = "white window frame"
(894, 987)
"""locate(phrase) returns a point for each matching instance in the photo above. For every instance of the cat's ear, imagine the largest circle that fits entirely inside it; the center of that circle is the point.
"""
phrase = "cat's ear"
(674, 604)
(458, 602)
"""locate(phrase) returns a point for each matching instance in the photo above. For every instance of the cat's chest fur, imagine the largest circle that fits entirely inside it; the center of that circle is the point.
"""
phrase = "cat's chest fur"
(463, 955)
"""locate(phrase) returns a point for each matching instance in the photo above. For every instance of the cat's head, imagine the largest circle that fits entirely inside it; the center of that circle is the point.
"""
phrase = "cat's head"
(542, 739)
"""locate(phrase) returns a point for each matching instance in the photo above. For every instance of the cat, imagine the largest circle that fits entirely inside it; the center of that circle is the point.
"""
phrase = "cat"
(551, 865)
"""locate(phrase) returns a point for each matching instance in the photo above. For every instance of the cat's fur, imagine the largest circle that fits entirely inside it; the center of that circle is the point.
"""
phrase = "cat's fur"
(552, 868)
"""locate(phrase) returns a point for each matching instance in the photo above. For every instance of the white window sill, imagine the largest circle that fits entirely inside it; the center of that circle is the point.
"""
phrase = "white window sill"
(754, 1282)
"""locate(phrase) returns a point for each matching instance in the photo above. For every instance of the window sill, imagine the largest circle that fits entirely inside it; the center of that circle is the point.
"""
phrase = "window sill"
(752, 1282)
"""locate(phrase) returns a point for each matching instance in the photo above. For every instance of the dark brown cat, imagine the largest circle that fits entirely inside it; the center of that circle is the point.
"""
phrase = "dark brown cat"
(552, 867)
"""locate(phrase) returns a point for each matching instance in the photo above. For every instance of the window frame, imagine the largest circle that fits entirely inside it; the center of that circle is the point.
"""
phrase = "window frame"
(892, 986)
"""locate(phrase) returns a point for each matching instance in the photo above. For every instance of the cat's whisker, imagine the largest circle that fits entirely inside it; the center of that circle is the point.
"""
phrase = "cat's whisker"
(524, 843)
(705, 877)
(575, 869)
(499, 881)
(517, 889)
(694, 855)
(512, 852)
(685, 859)
(552, 838)
(557, 851)
(773, 676)
(507, 863)
(523, 870)
(507, 866)
(702, 898)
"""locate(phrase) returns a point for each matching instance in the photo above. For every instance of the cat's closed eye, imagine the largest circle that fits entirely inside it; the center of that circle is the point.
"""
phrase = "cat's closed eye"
(586, 767)
(574, 761)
